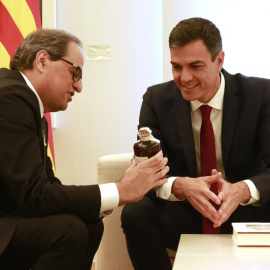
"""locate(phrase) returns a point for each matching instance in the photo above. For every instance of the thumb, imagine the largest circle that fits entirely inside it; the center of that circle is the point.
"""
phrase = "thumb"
(132, 165)
(214, 177)
(133, 162)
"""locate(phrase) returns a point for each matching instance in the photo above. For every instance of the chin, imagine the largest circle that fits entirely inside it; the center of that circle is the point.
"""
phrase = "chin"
(62, 108)
(189, 97)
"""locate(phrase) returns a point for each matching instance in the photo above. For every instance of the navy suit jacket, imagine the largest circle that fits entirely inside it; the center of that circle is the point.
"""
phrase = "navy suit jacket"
(28, 187)
(245, 129)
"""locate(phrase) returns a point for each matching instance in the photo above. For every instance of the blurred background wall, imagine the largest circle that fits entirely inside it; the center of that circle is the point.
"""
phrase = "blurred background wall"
(103, 118)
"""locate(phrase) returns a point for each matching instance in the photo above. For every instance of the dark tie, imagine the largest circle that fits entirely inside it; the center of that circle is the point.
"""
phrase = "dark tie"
(208, 159)
(44, 132)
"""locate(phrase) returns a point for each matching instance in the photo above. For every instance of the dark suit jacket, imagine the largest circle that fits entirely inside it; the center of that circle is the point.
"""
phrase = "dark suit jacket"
(245, 129)
(28, 187)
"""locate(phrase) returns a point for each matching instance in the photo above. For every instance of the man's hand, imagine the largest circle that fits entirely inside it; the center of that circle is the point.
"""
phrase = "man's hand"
(231, 195)
(139, 179)
(197, 192)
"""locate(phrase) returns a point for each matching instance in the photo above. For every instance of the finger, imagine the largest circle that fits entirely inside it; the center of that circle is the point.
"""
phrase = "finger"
(219, 185)
(224, 213)
(133, 161)
(162, 181)
(160, 165)
(132, 165)
(152, 161)
(162, 172)
(214, 178)
(220, 195)
(220, 221)
(214, 198)
(212, 214)
(157, 157)
(217, 224)
(215, 218)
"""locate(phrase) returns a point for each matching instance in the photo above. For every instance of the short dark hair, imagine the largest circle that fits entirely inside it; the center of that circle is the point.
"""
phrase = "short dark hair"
(197, 28)
(54, 41)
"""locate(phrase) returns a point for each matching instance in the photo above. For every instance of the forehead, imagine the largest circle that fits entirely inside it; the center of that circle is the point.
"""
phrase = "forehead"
(191, 52)
(75, 54)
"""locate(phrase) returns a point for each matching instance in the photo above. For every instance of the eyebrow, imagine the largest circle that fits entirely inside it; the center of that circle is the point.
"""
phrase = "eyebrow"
(192, 63)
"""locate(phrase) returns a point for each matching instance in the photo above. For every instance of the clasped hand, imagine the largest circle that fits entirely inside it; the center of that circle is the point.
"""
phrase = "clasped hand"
(197, 192)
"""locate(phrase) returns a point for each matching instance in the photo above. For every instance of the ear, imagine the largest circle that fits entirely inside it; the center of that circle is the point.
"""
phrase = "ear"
(41, 59)
(220, 59)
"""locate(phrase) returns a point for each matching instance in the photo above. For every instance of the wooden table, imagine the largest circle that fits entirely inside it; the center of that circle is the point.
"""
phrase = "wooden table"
(218, 252)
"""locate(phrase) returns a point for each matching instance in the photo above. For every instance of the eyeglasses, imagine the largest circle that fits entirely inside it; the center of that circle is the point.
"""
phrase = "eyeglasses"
(77, 74)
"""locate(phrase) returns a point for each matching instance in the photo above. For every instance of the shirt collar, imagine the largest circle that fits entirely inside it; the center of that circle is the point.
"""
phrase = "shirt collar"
(217, 100)
(41, 107)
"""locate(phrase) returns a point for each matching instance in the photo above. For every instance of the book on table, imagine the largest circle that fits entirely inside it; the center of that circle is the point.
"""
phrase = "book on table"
(251, 234)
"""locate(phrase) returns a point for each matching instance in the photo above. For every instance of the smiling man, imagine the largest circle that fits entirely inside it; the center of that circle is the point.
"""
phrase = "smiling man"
(194, 72)
(44, 224)
(216, 177)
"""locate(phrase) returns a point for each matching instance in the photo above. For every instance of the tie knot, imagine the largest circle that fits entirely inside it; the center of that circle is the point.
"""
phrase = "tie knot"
(205, 112)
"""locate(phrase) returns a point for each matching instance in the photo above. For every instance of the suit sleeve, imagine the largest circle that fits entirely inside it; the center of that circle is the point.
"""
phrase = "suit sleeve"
(246, 152)
(26, 189)
(262, 179)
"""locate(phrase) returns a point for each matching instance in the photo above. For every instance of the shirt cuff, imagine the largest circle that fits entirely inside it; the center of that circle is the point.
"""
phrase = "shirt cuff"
(165, 191)
(255, 194)
(109, 197)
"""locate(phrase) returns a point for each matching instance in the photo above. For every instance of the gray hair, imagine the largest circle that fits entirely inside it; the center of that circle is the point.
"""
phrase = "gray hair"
(55, 42)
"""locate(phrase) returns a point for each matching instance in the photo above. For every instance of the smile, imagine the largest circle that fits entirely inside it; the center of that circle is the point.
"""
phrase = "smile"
(189, 86)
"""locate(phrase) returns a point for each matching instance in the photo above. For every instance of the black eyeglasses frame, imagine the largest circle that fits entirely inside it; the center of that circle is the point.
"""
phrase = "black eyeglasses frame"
(75, 74)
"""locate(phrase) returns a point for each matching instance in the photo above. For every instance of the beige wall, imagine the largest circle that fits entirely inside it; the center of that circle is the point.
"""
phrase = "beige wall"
(103, 118)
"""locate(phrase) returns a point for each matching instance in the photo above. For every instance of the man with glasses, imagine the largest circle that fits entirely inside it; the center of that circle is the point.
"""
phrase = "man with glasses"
(44, 224)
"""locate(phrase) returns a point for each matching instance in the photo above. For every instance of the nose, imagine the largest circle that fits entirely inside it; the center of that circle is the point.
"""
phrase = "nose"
(77, 86)
(186, 75)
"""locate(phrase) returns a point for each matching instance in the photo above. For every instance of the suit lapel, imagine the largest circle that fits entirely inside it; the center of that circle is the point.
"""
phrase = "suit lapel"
(181, 108)
(230, 114)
